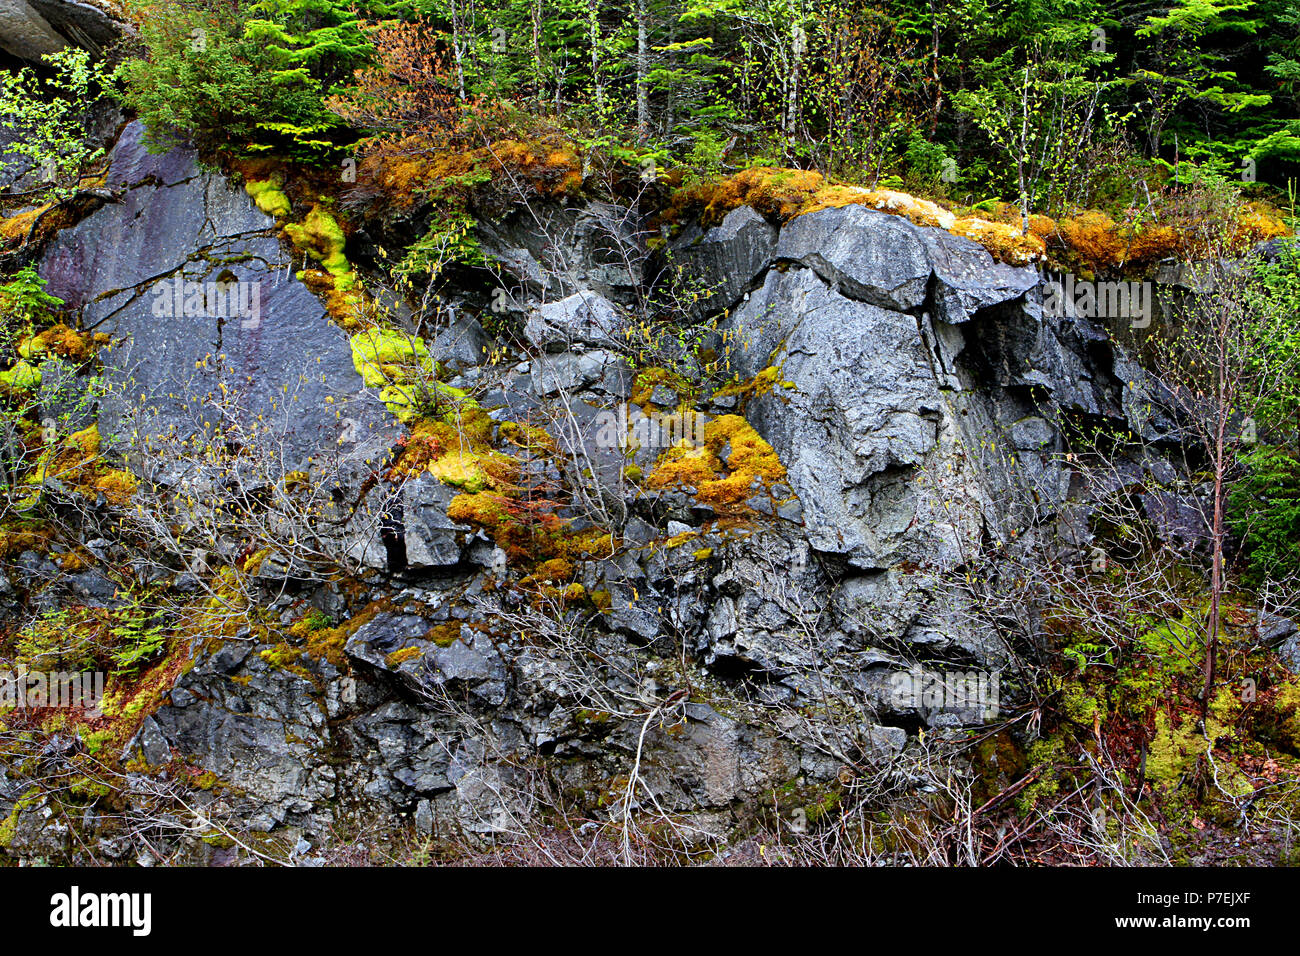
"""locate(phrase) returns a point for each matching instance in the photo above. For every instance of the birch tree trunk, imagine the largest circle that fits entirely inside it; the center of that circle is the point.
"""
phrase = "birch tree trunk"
(642, 72)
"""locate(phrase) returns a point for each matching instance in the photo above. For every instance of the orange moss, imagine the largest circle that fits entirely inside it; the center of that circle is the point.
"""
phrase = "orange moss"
(1090, 240)
(64, 342)
(351, 309)
(69, 460)
(75, 560)
(773, 192)
(592, 543)
(327, 643)
(1149, 244)
(529, 532)
(1041, 226)
(15, 539)
(1098, 243)
(1258, 223)
(1092, 237)
(732, 465)
(318, 281)
(552, 571)
(457, 454)
(1003, 241)
(782, 194)
(407, 170)
(117, 486)
(15, 228)
(483, 510)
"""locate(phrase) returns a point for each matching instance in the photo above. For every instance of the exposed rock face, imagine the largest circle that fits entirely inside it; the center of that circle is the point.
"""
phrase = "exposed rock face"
(556, 252)
(913, 393)
(25, 33)
(726, 260)
(584, 318)
(29, 29)
(861, 402)
(209, 321)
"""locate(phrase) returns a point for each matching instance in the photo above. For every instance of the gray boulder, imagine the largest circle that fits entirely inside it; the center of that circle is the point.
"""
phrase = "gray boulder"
(584, 318)
(863, 414)
(263, 735)
(24, 33)
(968, 279)
(722, 263)
(888, 261)
(868, 255)
(29, 29)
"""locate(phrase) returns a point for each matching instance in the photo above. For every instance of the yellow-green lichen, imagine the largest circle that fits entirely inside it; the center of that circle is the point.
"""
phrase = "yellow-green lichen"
(398, 658)
(380, 355)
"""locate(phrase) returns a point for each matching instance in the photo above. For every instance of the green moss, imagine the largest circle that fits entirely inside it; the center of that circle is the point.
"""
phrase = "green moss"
(820, 808)
(1080, 706)
(1286, 705)
(1172, 750)
(998, 763)
(322, 238)
(379, 355)
(21, 377)
(400, 366)
(410, 401)
(10, 824)
(1044, 757)
(269, 197)
(761, 384)
(281, 655)
(89, 789)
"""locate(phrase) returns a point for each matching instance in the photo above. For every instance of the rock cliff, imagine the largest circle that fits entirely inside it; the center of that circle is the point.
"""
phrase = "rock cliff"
(697, 629)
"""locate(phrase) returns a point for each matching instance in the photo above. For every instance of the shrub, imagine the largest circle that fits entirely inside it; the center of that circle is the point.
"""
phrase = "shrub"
(24, 304)
(212, 78)
(49, 117)
(1264, 509)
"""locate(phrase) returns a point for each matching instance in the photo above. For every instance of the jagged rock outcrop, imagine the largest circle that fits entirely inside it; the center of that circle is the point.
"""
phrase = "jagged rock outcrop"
(29, 29)
(722, 263)
(911, 388)
(553, 252)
